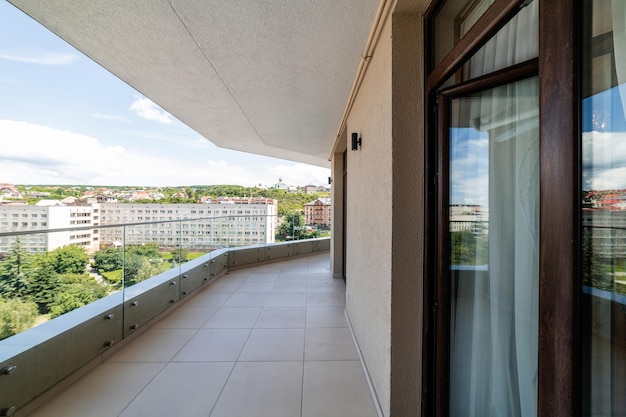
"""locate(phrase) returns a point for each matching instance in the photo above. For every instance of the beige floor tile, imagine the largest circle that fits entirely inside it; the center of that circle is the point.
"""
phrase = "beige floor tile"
(292, 285)
(225, 286)
(274, 345)
(186, 318)
(319, 268)
(269, 319)
(207, 298)
(246, 299)
(272, 268)
(328, 299)
(282, 318)
(336, 389)
(322, 276)
(233, 318)
(256, 286)
(329, 344)
(290, 275)
(326, 317)
(103, 392)
(154, 345)
(262, 278)
(325, 286)
(262, 389)
(214, 345)
(182, 389)
(286, 299)
(241, 274)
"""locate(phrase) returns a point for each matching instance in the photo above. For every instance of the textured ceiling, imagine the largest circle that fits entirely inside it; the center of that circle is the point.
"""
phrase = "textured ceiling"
(270, 77)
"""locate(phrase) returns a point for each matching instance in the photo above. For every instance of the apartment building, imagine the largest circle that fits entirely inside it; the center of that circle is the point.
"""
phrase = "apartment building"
(420, 105)
(216, 223)
(48, 215)
(469, 218)
(318, 213)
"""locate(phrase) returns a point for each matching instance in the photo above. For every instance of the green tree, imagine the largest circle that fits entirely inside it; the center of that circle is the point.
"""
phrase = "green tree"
(44, 281)
(150, 250)
(14, 271)
(108, 259)
(132, 265)
(16, 316)
(293, 227)
(180, 254)
(468, 249)
(72, 278)
(75, 295)
(70, 259)
(150, 268)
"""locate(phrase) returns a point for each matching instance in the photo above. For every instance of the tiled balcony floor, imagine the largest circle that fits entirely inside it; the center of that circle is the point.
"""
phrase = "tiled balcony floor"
(264, 341)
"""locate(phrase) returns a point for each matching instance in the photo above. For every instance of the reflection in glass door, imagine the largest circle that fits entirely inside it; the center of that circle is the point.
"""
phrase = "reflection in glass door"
(603, 208)
(493, 259)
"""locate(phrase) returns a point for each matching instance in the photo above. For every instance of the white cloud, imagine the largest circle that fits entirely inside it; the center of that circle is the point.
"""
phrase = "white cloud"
(146, 109)
(34, 154)
(40, 57)
(298, 174)
(604, 160)
(112, 117)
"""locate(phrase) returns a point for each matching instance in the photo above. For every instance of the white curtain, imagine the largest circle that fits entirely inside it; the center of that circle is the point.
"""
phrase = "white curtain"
(494, 311)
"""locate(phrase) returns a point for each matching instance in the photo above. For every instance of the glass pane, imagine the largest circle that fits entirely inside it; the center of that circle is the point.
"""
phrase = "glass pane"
(516, 42)
(454, 20)
(603, 251)
(494, 253)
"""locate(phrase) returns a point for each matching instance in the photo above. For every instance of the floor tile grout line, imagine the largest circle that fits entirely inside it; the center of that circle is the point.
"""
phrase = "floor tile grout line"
(306, 315)
(165, 364)
(236, 362)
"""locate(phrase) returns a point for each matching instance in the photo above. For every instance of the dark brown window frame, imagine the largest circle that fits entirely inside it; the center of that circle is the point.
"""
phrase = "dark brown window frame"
(559, 282)
(442, 325)
(494, 18)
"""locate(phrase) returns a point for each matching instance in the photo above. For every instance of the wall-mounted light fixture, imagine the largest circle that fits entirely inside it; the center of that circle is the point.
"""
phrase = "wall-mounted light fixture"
(356, 142)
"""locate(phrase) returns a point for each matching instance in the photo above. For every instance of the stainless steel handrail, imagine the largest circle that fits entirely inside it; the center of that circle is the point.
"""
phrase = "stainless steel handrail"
(109, 226)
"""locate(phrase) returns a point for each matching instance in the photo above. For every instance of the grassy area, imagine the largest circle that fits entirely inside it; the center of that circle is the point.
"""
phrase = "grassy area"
(42, 318)
(194, 255)
(167, 256)
(113, 276)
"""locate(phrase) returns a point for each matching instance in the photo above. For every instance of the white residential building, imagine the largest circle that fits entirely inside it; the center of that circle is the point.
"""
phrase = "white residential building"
(47, 216)
(217, 223)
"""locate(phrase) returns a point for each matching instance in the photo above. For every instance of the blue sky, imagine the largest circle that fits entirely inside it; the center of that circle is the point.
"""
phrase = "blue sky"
(66, 120)
(604, 140)
(469, 166)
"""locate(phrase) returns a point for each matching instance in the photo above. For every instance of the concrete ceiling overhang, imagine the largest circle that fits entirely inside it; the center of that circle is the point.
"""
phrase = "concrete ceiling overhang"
(270, 77)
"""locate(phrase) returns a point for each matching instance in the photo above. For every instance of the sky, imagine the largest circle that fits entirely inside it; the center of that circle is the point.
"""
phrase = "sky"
(604, 140)
(66, 120)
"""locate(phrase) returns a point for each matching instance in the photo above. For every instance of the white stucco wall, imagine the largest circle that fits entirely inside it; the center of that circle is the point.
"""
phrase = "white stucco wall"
(369, 216)
(385, 214)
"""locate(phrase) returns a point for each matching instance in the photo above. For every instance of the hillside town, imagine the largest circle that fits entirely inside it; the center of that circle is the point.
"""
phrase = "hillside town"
(214, 216)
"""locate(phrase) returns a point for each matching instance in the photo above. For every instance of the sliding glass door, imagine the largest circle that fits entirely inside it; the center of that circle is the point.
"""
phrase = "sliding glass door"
(491, 280)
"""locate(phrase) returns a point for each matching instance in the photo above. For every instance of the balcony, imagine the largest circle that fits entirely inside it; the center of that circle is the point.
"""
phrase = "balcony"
(268, 340)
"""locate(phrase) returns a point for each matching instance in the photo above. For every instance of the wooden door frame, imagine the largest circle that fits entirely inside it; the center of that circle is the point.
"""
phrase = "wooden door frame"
(559, 282)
